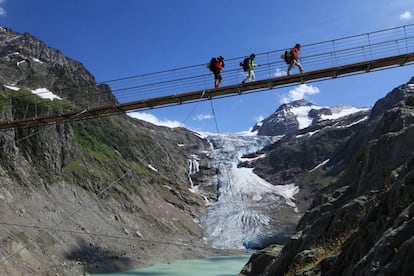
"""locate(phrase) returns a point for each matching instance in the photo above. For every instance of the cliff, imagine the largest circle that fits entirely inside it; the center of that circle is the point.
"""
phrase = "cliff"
(101, 195)
(360, 221)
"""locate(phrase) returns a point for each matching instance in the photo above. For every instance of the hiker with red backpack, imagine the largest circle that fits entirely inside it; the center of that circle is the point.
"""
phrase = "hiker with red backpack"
(248, 66)
(216, 65)
(294, 57)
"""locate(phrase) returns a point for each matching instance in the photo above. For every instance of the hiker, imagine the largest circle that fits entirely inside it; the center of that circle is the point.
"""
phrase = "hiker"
(294, 53)
(248, 66)
(216, 66)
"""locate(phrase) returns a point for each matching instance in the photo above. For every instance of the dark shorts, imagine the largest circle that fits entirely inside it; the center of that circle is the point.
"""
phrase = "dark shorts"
(217, 76)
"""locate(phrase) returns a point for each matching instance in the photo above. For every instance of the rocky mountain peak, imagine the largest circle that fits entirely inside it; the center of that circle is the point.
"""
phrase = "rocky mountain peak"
(27, 62)
(298, 103)
(397, 95)
(26, 46)
(291, 117)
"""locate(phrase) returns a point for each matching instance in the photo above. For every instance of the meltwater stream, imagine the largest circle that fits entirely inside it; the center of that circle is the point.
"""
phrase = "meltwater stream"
(249, 212)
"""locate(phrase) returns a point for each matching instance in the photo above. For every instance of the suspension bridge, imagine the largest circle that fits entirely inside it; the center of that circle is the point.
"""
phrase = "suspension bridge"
(369, 52)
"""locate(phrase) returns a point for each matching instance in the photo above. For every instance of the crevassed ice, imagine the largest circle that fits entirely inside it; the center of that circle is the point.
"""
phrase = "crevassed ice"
(245, 209)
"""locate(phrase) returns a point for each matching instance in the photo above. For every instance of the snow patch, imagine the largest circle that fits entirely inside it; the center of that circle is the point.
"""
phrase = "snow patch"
(152, 168)
(357, 122)
(342, 112)
(12, 87)
(310, 133)
(41, 92)
(45, 94)
(250, 183)
(254, 158)
(37, 60)
(301, 114)
(304, 120)
(319, 165)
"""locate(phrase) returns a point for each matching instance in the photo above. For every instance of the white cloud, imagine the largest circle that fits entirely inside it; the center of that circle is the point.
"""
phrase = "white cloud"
(406, 16)
(300, 92)
(2, 10)
(259, 119)
(279, 73)
(202, 117)
(154, 120)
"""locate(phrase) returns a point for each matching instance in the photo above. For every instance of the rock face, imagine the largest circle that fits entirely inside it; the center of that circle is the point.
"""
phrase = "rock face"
(300, 152)
(100, 195)
(361, 220)
(282, 121)
(28, 62)
(297, 115)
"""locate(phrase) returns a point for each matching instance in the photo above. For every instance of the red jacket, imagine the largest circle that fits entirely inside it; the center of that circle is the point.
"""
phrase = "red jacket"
(295, 53)
(219, 65)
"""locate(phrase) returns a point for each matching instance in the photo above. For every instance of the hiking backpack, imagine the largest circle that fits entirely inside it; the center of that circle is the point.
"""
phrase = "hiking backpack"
(287, 56)
(212, 64)
(245, 64)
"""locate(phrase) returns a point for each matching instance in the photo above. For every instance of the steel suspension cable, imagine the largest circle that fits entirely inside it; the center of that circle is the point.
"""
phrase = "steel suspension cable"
(315, 56)
(96, 196)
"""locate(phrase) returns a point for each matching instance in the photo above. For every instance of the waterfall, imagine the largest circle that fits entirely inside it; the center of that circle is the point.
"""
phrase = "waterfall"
(193, 167)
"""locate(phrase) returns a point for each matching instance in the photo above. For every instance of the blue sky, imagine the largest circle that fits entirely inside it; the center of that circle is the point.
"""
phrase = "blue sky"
(115, 39)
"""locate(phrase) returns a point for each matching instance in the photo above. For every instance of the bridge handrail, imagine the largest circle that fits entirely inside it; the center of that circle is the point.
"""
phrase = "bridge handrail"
(330, 53)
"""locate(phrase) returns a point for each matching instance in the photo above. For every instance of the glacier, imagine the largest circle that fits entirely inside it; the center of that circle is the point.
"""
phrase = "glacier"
(249, 211)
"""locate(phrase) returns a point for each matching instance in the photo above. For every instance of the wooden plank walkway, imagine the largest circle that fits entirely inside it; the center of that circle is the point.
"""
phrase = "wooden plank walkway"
(231, 90)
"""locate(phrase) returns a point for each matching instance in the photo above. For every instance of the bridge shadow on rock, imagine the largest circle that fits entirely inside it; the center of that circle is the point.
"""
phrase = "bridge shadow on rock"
(97, 260)
(262, 242)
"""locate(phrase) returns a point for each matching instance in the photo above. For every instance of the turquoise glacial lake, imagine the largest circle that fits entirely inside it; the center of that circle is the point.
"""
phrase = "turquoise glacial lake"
(213, 266)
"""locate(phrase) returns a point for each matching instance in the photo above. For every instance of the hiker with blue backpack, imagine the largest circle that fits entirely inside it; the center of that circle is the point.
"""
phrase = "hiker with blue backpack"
(291, 57)
(248, 66)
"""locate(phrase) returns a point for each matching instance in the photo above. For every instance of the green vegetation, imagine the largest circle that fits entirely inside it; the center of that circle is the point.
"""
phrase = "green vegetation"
(325, 181)
(319, 179)
(325, 248)
(27, 104)
(103, 158)
(95, 143)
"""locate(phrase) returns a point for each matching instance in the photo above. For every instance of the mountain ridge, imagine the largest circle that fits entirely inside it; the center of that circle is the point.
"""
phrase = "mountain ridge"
(362, 203)
(28, 62)
(300, 114)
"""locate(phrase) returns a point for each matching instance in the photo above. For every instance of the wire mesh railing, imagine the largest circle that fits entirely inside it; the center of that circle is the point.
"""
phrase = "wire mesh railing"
(326, 54)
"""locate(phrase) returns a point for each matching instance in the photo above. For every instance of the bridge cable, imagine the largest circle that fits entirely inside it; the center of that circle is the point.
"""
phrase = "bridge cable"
(106, 235)
(317, 56)
(214, 116)
(71, 214)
